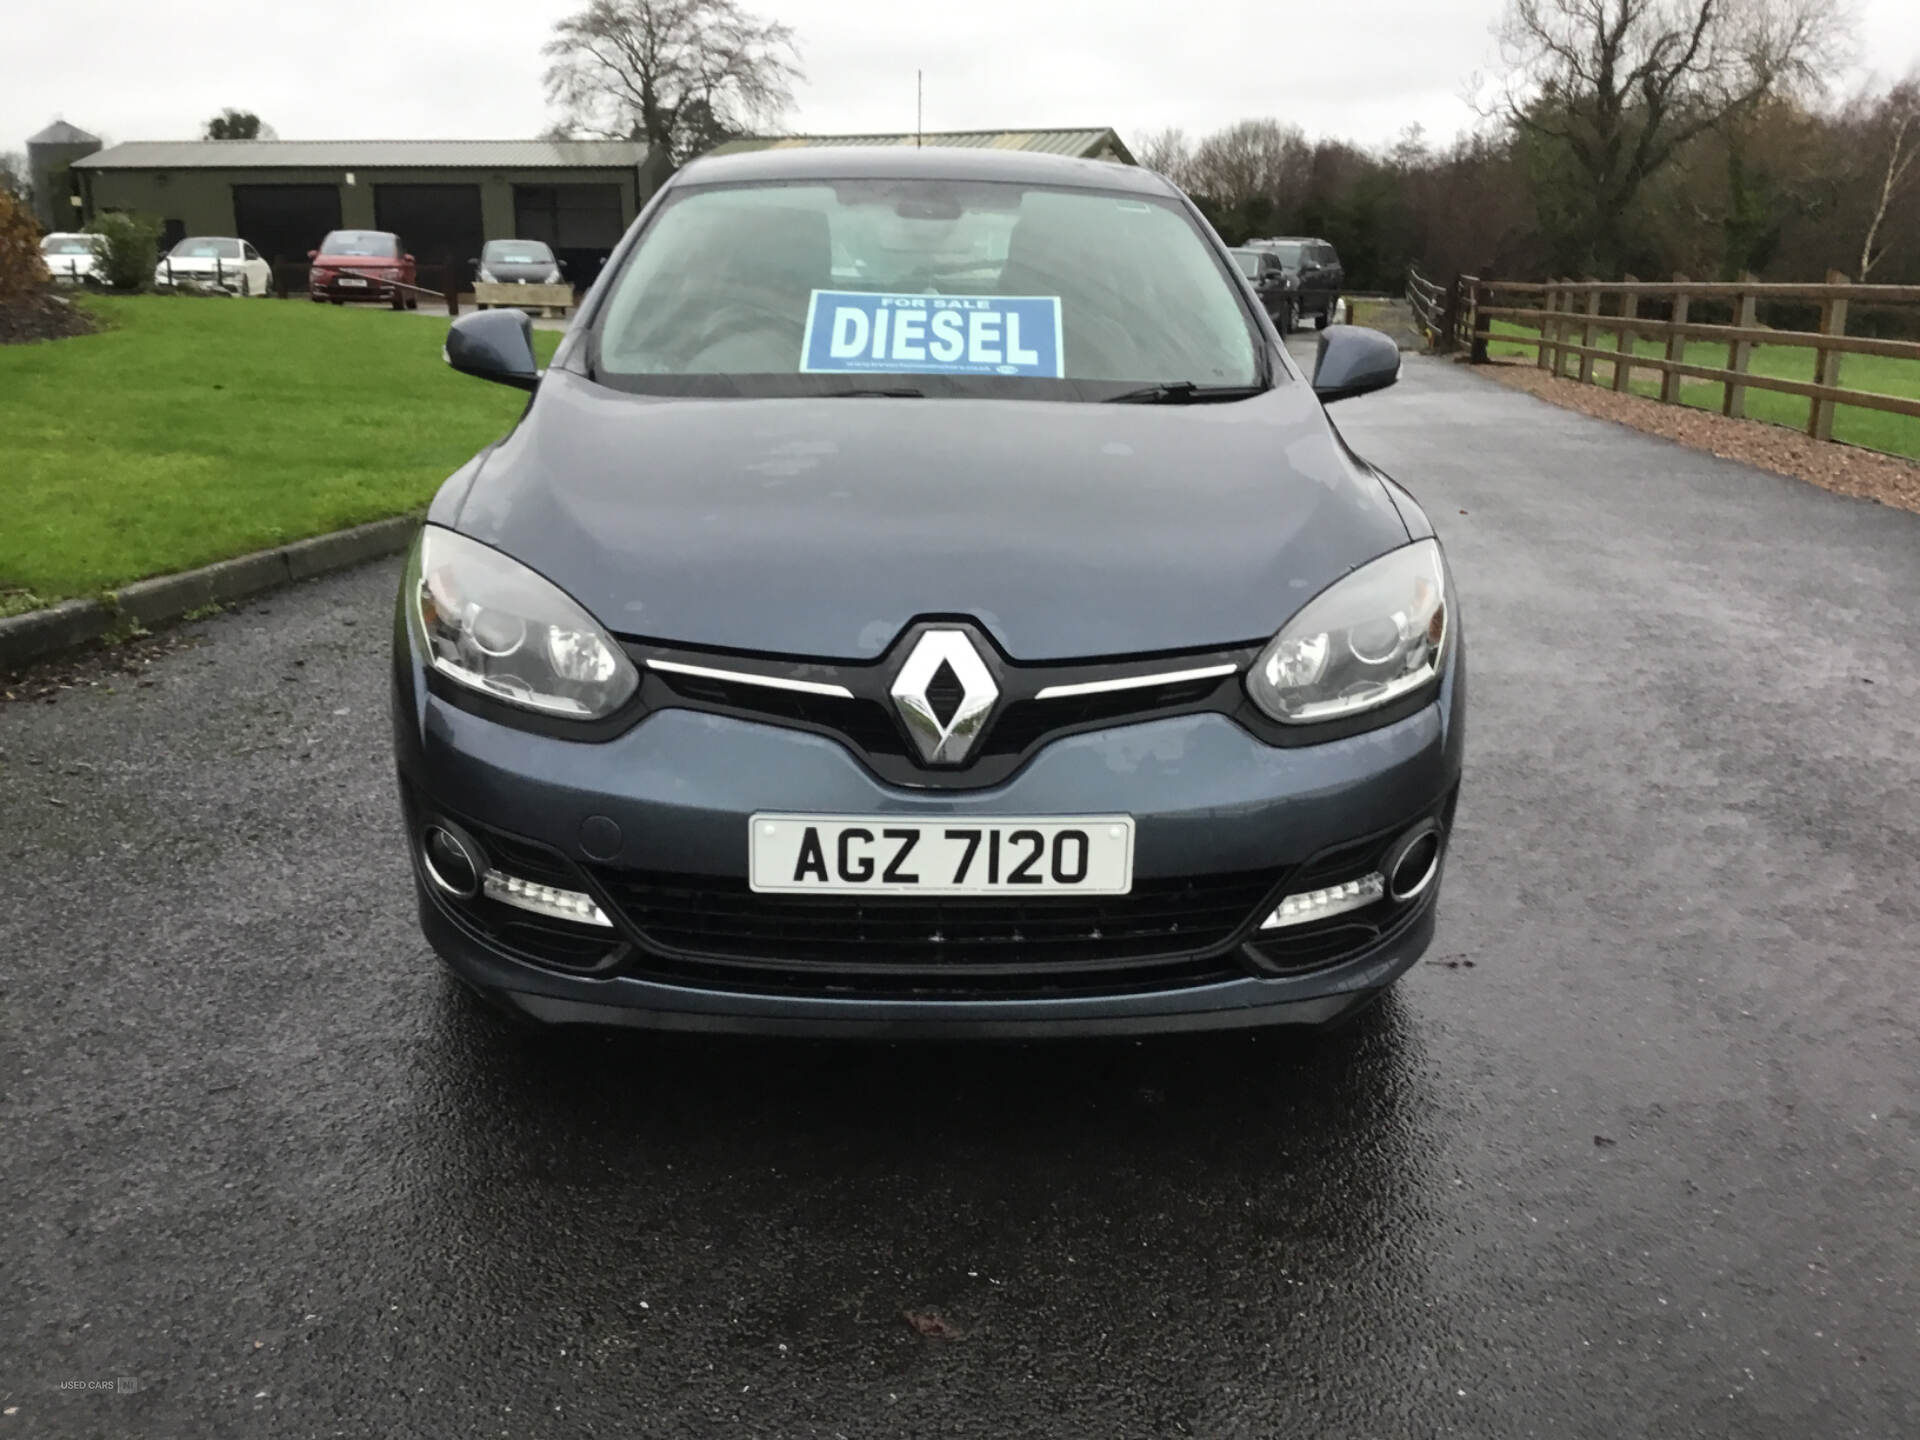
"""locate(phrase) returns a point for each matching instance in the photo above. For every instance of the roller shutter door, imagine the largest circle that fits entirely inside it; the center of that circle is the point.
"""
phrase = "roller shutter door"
(438, 224)
(284, 222)
(581, 222)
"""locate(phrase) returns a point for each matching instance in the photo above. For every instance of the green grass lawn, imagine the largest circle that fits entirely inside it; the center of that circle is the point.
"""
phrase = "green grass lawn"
(1875, 429)
(195, 430)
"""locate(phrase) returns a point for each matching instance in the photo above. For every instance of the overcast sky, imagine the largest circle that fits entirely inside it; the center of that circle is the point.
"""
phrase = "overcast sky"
(357, 69)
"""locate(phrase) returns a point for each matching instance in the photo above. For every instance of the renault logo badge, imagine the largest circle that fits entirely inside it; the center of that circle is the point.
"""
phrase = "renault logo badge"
(944, 692)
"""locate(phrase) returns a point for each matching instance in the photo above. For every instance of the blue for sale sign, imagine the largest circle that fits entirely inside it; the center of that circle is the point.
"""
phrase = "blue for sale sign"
(853, 333)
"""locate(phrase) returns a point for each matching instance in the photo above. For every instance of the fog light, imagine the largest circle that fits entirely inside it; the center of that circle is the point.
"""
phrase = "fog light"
(451, 863)
(546, 900)
(1311, 905)
(1412, 869)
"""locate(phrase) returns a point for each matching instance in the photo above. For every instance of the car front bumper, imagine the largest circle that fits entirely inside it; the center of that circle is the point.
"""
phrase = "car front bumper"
(1208, 800)
(334, 290)
(205, 280)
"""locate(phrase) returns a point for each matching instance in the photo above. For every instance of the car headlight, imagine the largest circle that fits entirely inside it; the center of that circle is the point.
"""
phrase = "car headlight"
(553, 277)
(1365, 641)
(488, 622)
(486, 276)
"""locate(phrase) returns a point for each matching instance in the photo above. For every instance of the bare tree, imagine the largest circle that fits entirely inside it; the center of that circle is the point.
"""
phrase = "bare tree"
(1254, 159)
(1900, 113)
(679, 74)
(15, 179)
(1166, 151)
(1410, 151)
(1622, 85)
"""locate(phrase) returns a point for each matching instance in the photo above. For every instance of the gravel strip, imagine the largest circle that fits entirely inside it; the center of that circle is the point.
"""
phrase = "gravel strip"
(1844, 469)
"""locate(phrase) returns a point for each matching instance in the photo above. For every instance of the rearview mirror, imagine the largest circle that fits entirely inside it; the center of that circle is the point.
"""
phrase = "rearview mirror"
(494, 345)
(1353, 360)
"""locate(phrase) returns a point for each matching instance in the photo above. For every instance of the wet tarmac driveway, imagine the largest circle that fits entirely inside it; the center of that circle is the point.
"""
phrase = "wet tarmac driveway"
(1632, 1153)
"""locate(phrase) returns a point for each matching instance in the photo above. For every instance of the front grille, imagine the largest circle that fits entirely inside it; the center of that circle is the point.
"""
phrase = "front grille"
(864, 724)
(710, 930)
(1026, 723)
(868, 723)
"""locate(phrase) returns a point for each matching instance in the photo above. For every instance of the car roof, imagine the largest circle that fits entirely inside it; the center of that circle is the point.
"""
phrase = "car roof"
(906, 162)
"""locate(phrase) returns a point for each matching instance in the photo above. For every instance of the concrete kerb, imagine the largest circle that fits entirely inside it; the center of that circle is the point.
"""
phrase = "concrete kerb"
(71, 624)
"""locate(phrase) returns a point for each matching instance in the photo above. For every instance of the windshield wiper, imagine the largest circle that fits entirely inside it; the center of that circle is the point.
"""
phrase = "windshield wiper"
(898, 392)
(1183, 392)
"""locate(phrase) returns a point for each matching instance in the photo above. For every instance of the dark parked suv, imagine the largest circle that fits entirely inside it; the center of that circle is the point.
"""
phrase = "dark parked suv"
(1272, 284)
(1316, 272)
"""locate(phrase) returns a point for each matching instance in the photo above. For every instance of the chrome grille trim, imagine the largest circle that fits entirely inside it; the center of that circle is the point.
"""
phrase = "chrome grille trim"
(747, 677)
(1135, 682)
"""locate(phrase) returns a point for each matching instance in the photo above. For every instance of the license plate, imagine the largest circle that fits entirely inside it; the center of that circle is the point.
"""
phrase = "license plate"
(352, 284)
(884, 854)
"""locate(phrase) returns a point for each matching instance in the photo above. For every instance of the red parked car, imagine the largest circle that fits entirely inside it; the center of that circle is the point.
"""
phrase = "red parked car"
(361, 265)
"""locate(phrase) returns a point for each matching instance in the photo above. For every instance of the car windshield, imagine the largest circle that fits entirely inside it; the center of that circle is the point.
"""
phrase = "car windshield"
(923, 287)
(200, 248)
(376, 243)
(66, 245)
(1287, 252)
(516, 252)
(1249, 263)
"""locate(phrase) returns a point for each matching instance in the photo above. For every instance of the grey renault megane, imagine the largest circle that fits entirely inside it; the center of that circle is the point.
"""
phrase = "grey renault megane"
(923, 597)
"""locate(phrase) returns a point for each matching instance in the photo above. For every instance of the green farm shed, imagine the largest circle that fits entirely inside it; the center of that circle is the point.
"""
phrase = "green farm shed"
(444, 198)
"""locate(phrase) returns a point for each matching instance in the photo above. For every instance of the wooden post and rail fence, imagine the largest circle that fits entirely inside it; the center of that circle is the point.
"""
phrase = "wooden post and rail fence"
(1564, 321)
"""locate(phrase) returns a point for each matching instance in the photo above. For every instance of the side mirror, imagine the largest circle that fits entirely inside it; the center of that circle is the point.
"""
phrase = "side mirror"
(494, 345)
(561, 266)
(475, 262)
(408, 259)
(313, 255)
(1353, 360)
